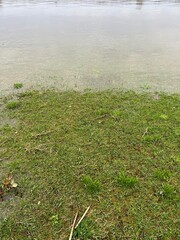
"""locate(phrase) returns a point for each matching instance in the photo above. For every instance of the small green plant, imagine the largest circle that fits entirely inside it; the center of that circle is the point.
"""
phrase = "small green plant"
(154, 138)
(177, 131)
(167, 191)
(18, 85)
(116, 113)
(54, 219)
(84, 230)
(12, 105)
(126, 181)
(92, 186)
(145, 86)
(162, 174)
(177, 159)
(163, 117)
(6, 127)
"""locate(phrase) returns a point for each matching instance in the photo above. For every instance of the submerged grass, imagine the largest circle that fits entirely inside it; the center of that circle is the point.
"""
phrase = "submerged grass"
(116, 151)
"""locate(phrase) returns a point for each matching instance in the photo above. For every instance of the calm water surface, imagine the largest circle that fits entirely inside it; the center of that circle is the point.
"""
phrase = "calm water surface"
(90, 44)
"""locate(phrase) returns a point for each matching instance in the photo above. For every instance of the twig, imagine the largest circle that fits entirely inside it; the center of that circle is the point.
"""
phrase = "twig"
(83, 216)
(41, 134)
(145, 132)
(72, 228)
(87, 144)
(100, 117)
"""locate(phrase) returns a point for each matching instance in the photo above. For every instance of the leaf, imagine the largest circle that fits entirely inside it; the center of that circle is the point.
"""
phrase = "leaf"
(9, 182)
(13, 184)
(6, 182)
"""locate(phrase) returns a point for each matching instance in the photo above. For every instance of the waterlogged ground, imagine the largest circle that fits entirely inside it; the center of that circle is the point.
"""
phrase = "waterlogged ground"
(90, 44)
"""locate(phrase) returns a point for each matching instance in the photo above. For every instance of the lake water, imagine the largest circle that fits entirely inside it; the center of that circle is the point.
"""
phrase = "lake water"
(90, 44)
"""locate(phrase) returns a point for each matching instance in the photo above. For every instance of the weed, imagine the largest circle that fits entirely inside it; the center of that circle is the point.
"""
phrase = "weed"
(163, 117)
(54, 219)
(116, 113)
(126, 181)
(162, 174)
(149, 138)
(177, 159)
(6, 128)
(84, 230)
(18, 85)
(12, 105)
(168, 191)
(177, 131)
(91, 185)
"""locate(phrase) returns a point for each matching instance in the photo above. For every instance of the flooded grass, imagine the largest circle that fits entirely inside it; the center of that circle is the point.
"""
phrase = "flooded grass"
(117, 152)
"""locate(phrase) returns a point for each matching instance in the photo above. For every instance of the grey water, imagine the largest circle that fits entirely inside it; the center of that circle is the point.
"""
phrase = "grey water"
(97, 44)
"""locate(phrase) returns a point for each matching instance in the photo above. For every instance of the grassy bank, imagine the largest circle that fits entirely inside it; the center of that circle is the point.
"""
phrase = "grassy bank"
(117, 152)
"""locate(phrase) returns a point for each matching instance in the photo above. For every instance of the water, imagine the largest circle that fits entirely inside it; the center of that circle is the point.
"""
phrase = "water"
(90, 44)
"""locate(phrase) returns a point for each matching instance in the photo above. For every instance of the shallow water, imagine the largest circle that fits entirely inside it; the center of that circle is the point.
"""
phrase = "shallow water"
(90, 44)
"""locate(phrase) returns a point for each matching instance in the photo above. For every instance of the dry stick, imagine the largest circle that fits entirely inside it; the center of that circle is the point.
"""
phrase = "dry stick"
(41, 134)
(83, 216)
(100, 117)
(146, 131)
(87, 144)
(72, 229)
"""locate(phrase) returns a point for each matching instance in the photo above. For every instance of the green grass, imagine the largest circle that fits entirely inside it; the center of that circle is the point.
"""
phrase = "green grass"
(168, 191)
(117, 152)
(92, 186)
(162, 174)
(12, 105)
(126, 181)
(18, 85)
(85, 230)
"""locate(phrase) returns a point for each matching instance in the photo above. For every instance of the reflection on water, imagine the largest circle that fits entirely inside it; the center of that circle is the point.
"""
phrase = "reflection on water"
(139, 2)
(89, 1)
(85, 2)
(90, 44)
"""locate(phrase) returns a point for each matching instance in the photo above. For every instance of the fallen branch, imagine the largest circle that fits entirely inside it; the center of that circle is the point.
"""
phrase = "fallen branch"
(72, 228)
(83, 216)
